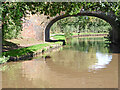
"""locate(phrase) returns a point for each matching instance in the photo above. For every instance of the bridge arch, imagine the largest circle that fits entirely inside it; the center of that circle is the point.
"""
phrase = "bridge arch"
(108, 17)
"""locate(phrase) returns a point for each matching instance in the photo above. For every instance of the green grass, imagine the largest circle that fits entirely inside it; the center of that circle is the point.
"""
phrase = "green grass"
(31, 49)
(59, 37)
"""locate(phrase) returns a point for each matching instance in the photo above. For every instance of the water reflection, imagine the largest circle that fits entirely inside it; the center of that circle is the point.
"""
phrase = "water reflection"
(81, 64)
(102, 61)
(88, 44)
(83, 54)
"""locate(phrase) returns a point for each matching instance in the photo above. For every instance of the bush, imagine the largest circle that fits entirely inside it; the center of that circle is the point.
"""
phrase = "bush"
(3, 59)
(68, 35)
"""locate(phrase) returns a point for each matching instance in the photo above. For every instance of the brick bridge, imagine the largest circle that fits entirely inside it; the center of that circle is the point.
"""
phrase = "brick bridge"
(38, 26)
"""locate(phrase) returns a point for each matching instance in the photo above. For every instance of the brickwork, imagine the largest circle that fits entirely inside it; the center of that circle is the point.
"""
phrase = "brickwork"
(33, 26)
(28, 31)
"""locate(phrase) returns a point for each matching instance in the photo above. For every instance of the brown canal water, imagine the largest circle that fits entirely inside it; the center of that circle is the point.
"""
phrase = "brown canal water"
(81, 64)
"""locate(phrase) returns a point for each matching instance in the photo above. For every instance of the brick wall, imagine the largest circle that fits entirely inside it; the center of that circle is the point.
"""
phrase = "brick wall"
(33, 26)
(28, 31)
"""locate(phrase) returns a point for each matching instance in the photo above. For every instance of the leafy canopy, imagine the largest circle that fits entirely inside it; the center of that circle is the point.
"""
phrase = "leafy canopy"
(12, 12)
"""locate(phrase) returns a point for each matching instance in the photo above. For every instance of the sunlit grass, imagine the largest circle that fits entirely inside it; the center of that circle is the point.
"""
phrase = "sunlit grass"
(31, 49)
(59, 37)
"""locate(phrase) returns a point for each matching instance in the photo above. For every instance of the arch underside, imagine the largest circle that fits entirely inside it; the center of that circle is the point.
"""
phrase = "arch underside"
(110, 18)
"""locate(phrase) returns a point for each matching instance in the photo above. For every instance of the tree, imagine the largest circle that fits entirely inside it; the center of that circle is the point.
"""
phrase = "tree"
(12, 12)
(81, 24)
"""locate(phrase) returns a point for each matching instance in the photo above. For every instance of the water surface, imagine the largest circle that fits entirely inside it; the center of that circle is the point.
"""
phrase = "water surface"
(84, 63)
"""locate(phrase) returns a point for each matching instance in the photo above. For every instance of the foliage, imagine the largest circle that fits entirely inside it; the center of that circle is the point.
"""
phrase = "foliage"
(11, 19)
(3, 59)
(68, 35)
(13, 12)
(81, 24)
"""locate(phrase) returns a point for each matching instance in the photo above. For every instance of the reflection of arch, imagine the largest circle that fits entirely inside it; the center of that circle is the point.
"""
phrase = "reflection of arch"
(109, 17)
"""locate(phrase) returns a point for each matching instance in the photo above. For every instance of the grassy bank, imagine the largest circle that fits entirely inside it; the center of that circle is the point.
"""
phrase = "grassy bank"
(59, 37)
(62, 37)
(28, 50)
(31, 49)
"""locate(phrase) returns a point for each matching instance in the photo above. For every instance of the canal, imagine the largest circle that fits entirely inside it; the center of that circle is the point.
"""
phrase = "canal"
(83, 63)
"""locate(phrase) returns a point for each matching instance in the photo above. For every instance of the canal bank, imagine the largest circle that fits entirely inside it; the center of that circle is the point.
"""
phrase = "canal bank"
(30, 52)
